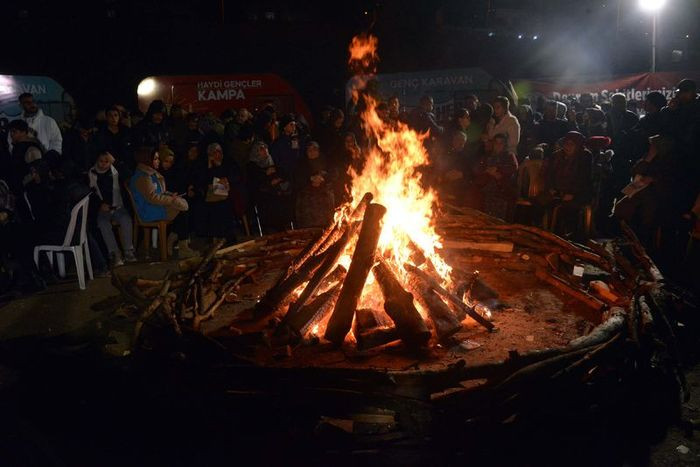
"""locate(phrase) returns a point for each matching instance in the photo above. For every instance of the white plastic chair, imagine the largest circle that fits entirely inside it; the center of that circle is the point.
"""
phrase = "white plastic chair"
(81, 251)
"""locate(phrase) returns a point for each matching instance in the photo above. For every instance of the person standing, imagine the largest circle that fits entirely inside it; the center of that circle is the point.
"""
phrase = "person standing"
(505, 123)
(45, 127)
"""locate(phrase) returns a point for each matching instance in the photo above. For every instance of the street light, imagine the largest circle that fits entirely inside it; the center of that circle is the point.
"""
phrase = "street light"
(653, 7)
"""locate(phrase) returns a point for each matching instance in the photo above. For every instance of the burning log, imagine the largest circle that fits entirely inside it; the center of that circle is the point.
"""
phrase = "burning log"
(445, 322)
(450, 296)
(330, 258)
(398, 304)
(315, 311)
(362, 261)
(356, 215)
(373, 329)
(376, 337)
(280, 292)
(367, 318)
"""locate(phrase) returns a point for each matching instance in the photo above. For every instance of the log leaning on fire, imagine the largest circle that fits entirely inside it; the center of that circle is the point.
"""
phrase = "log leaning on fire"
(362, 261)
(398, 304)
(315, 311)
(444, 320)
(451, 297)
(278, 294)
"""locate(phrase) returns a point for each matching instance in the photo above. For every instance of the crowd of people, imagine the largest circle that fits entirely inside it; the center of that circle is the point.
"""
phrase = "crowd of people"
(213, 177)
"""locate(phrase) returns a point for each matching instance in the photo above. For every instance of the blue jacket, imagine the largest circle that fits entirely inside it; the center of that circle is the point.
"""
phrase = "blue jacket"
(148, 187)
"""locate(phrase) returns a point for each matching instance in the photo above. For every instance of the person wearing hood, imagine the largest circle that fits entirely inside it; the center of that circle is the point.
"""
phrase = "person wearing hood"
(269, 192)
(153, 130)
(314, 200)
(568, 180)
(104, 180)
(286, 150)
(45, 127)
(505, 123)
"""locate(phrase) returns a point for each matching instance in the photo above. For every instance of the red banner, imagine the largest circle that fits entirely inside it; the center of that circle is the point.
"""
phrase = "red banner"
(634, 87)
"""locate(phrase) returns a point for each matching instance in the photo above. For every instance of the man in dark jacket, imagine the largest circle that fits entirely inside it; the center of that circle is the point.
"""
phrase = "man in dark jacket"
(620, 122)
(114, 138)
(286, 149)
(153, 131)
(551, 128)
(422, 119)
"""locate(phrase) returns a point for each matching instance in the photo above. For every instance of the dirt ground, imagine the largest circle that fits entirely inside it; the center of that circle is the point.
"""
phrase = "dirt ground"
(533, 320)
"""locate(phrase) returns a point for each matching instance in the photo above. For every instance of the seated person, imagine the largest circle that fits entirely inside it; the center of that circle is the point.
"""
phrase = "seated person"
(104, 179)
(495, 179)
(214, 215)
(315, 201)
(648, 197)
(269, 191)
(568, 181)
(154, 203)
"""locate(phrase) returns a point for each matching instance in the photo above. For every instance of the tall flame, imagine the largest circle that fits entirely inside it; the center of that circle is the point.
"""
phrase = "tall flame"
(392, 174)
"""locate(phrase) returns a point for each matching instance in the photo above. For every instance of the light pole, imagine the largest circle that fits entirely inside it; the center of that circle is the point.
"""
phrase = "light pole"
(653, 7)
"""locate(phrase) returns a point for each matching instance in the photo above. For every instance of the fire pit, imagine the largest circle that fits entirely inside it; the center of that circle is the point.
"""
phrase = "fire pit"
(406, 312)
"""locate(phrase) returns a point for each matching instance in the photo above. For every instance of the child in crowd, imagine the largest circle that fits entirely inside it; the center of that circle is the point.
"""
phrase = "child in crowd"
(104, 179)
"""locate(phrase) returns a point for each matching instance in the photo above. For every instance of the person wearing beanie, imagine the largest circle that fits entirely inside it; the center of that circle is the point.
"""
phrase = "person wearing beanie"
(286, 150)
(104, 180)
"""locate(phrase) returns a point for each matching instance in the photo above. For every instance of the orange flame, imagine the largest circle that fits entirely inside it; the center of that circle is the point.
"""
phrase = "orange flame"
(391, 173)
(363, 53)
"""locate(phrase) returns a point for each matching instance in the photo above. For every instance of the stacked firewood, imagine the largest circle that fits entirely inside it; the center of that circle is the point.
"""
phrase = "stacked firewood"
(315, 289)
(201, 285)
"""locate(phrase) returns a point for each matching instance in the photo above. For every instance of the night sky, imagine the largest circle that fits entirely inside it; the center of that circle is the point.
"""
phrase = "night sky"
(100, 50)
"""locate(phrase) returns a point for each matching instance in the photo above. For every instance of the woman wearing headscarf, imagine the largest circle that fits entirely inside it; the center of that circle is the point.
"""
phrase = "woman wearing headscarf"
(314, 200)
(214, 217)
(269, 191)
